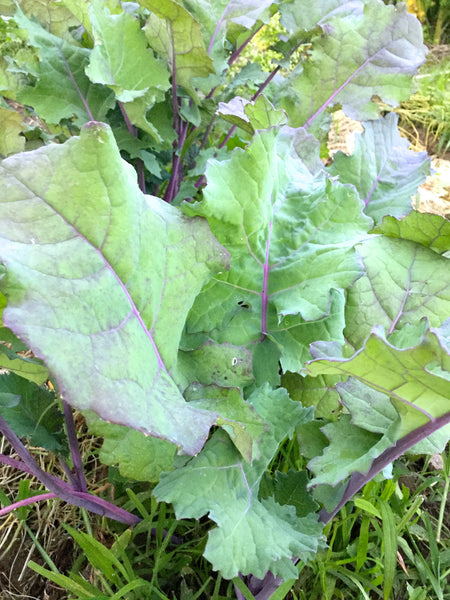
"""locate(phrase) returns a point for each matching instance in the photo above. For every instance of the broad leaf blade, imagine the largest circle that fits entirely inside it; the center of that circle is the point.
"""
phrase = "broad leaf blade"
(373, 51)
(403, 283)
(223, 365)
(120, 58)
(383, 169)
(35, 415)
(216, 15)
(54, 16)
(137, 456)
(291, 238)
(356, 440)
(415, 376)
(174, 33)
(252, 536)
(100, 279)
(431, 231)
(305, 15)
(62, 89)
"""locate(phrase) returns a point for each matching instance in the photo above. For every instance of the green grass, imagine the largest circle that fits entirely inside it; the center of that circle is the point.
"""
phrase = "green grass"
(391, 542)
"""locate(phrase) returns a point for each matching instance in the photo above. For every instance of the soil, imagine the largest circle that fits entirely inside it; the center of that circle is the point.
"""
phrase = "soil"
(18, 581)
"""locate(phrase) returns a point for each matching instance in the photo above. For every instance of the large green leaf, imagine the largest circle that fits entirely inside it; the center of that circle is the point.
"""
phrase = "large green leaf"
(120, 58)
(138, 456)
(216, 15)
(356, 440)
(100, 279)
(62, 89)
(415, 374)
(383, 169)
(371, 49)
(432, 231)
(403, 283)
(253, 535)
(174, 33)
(291, 237)
(305, 15)
(54, 16)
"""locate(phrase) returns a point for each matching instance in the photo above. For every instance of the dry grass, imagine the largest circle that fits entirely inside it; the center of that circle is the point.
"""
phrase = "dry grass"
(44, 523)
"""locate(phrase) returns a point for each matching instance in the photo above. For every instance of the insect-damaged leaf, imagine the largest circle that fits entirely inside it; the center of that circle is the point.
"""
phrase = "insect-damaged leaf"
(291, 236)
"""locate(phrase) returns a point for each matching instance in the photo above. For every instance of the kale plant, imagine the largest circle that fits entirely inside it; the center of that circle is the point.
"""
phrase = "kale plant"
(194, 275)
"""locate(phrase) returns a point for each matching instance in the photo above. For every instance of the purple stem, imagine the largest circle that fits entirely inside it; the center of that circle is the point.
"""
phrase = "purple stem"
(359, 480)
(231, 60)
(356, 482)
(131, 128)
(13, 462)
(79, 478)
(175, 179)
(26, 502)
(265, 83)
(207, 132)
(181, 130)
(62, 489)
(68, 471)
(264, 294)
(227, 137)
(141, 175)
(253, 98)
(134, 132)
(238, 51)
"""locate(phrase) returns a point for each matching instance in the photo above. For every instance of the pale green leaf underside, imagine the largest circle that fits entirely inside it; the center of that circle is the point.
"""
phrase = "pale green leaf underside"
(407, 375)
(252, 536)
(373, 50)
(100, 279)
(383, 169)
